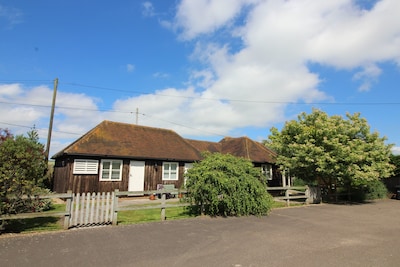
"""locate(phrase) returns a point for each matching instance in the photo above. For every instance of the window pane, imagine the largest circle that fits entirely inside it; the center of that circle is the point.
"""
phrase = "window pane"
(116, 165)
(173, 167)
(106, 165)
(115, 174)
(105, 174)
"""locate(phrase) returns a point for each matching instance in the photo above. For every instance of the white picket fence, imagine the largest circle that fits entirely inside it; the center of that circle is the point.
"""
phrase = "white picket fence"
(90, 209)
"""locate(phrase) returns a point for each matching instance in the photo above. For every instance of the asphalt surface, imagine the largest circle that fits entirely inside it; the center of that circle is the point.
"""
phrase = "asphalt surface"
(316, 235)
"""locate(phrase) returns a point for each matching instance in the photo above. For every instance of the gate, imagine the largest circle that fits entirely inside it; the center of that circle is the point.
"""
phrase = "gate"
(91, 209)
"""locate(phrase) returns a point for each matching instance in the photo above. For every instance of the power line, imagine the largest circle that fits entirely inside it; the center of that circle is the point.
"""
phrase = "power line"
(31, 127)
(63, 107)
(206, 98)
(233, 100)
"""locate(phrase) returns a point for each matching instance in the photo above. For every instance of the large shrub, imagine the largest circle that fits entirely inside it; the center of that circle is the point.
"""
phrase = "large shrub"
(369, 190)
(22, 168)
(229, 186)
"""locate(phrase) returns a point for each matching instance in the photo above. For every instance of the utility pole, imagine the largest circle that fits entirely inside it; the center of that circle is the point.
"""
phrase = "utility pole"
(51, 119)
(137, 116)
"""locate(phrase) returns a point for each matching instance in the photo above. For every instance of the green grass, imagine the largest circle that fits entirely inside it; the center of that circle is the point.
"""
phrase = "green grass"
(124, 217)
(39, 224)
(152, 215)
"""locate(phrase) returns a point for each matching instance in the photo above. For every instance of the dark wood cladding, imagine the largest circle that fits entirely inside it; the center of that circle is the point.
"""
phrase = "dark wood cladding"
(65, 180)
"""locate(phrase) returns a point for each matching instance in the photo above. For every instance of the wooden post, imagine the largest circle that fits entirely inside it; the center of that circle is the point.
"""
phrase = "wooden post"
(163, 197)
(51, 120)
(115, 207)
(287, 197)
(68, 210)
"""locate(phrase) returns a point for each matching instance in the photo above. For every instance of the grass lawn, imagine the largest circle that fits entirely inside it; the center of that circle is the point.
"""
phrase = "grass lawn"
(153, 215)
(124, 217)
(37, 224)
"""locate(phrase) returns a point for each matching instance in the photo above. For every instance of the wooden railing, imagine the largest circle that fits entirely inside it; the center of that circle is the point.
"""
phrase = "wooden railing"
(67, 213)
(292, 193)
(97, 208)
(90, 207)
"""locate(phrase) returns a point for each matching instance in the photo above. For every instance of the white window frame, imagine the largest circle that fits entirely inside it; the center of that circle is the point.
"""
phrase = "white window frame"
(86, 166)
(167, 171)
(111, 169)
(266, 170)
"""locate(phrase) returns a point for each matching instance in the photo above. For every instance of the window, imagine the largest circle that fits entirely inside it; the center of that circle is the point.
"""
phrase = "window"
(111, 170)
(85, 166)
(170, 171)
(267, 171)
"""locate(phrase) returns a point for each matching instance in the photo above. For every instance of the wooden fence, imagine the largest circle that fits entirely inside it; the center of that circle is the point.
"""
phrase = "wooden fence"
(92, 209)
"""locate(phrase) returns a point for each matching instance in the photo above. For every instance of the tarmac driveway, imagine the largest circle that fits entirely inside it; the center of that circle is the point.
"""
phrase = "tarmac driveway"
(316, 235)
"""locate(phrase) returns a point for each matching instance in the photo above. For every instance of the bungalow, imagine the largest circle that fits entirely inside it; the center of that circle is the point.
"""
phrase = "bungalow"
(130, 157)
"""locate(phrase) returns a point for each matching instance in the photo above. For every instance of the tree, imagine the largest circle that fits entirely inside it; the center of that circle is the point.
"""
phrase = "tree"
(345, 152)
(395, 160)
(22, 169)
(226, 185)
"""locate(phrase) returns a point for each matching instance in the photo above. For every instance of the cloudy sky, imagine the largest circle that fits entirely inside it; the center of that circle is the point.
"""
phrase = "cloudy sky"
(204, 68)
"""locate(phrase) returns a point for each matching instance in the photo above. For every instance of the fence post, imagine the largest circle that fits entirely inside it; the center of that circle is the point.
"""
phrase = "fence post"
(115, 207)
(68, 208)
(163, 196)
(287, 197)
(308, 195)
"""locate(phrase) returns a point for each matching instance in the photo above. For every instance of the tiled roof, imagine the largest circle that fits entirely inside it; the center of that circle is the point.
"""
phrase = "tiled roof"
(122, 140)
(205, 145)
(246, 148)
(240, 147)
(114, 139)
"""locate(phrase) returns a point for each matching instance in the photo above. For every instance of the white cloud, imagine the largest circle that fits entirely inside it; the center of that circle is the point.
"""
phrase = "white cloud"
(197, 17)
(130, 67)
(368, 76)
(24, 108)
(396, 150)
(161, 75)
(10, 16)
(148, 9)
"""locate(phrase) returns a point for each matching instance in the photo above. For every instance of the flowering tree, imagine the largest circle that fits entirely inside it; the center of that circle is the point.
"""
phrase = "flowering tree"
(317, 147)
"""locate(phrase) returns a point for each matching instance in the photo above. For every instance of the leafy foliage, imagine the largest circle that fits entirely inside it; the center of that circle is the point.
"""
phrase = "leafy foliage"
(395, 160)
(22, 169)
(317, 147)
(369, 190)
(226, 185)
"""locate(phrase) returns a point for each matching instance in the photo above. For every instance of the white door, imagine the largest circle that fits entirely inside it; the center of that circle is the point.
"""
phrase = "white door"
(136, 176)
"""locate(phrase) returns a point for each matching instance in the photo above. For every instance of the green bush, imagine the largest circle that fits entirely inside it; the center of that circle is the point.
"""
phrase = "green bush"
(369, 190)
(228, 186)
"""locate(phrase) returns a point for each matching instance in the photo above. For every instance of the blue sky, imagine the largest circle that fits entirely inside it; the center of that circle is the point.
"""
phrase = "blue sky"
(204, 68)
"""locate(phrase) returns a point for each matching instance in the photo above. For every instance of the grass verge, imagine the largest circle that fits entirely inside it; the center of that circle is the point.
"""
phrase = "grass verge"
(124, 218)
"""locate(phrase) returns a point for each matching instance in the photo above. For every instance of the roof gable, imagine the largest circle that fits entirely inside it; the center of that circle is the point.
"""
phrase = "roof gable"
(246, 148)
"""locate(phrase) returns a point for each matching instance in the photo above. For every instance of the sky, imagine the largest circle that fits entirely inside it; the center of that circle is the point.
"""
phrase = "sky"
(206, 69)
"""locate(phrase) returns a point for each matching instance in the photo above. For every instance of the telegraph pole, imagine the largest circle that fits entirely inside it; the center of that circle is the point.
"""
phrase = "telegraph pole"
(51, 119)
(137, 116)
